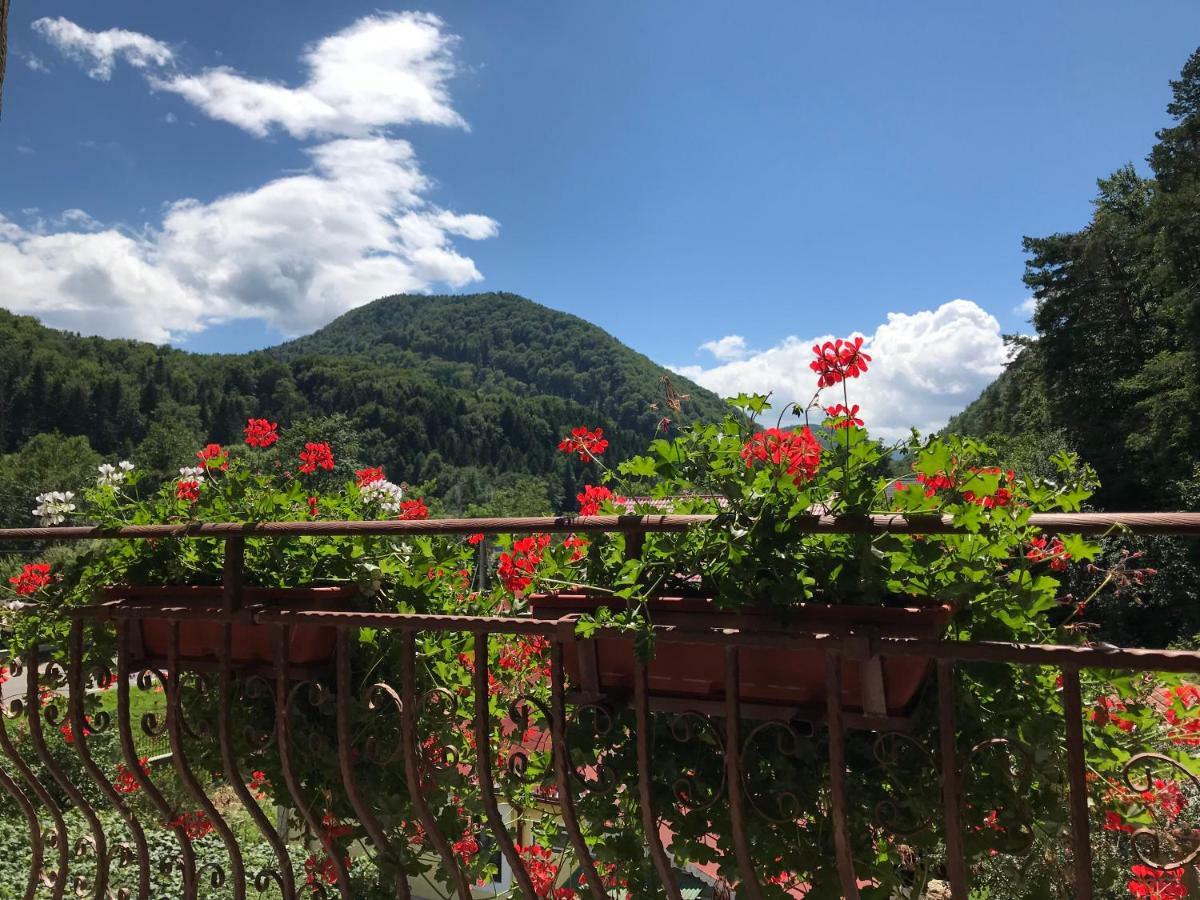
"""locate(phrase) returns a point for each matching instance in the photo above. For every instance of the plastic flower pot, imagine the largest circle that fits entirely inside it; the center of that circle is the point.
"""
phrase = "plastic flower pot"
(770, 676)
(200, 639)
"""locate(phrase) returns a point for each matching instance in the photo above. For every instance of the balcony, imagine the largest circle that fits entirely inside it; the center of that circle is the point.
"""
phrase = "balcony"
(143, 766)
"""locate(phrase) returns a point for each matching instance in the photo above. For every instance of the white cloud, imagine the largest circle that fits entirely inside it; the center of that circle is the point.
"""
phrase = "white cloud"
(383, 70)
(732, 346)
(101, 49)
(35, 64)
(170, 118)
(296, 252)
(926, 367)
(1026, 307)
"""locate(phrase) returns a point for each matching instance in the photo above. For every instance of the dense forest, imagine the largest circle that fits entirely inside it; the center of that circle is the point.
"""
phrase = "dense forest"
(465, 395)
(1114, 370)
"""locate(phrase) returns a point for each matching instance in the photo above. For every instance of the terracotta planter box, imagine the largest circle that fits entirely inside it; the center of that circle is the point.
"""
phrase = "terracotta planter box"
(200, 640)
(769, 675)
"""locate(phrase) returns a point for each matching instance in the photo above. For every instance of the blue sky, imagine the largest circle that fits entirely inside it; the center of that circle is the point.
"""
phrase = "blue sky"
(677, 172)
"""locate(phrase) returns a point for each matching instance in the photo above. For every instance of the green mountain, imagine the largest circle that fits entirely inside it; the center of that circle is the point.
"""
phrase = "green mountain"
(471, 392)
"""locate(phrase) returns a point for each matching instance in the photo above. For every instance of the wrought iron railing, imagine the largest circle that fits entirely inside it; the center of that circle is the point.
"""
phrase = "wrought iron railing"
(67, 804)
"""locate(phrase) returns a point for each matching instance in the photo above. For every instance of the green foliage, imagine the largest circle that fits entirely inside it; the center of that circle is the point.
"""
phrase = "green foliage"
(44, 463)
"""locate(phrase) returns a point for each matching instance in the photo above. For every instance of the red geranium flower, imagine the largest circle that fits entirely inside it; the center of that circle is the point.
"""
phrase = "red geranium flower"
(577, 546)
(369, 476)
(587, 443)
(797, 452)
(838, 360)
(324, 870)
(592, 498)
(516, 568)
(260, 432)
(188, 490)
(316, 456)
(33, 577)
(314, 507)
(934, 483)
(1157, 884)
(195, 824)
(543, 871)
(213, 452)
(69, 735)
(1106, 712)
(414, 509)
(126, 782)
(845, 418)
(1040, 548)
(465, 847)
(475, 539)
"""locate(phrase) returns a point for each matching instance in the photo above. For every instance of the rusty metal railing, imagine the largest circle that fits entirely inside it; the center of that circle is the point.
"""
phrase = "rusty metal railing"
(49, 797)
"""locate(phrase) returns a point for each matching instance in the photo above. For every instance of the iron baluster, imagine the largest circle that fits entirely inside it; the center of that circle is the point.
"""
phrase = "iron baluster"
(956, 866)
(286, 877)
(188, 779)
(837, 775)
(283, 725)
(487, 787)
(563, 769)
(78, 725)
(346, 764)
(187, 857)
(408, 738)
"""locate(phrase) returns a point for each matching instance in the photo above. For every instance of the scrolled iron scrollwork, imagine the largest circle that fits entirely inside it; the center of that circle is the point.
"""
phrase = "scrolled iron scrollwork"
(100, 677)
(691, 729)
(440, 703)
(382, 696)
(1018, 774)
(890, 750)
(215, 872)
(1153, 839)
(265, 879)
(520, 713)
(255, 691)
(200, 689)
(124, 855)
(787, 806)
(153, 724)
(599, 777)
(169, 865)
(319, 697)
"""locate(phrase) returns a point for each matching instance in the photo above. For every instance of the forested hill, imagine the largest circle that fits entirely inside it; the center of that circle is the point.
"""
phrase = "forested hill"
(473, 392)
(503, 341)
(1114, 371)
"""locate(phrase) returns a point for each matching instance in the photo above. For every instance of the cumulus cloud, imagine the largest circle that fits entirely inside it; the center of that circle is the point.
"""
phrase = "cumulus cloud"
(100, 50)
(1026, 307)
(732, 346)
(927, 366)
(387, 69)
(382, 70)
(296, 252)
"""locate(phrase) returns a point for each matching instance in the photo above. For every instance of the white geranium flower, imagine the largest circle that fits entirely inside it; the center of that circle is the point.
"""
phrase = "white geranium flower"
(111, 476)
(192, 473)
(386, 494)
(53, 507)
